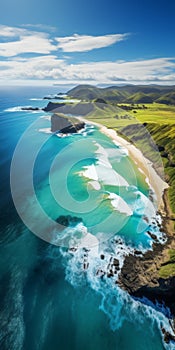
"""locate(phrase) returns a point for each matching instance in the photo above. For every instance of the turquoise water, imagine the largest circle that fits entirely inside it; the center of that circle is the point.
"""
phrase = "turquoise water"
(48, 301)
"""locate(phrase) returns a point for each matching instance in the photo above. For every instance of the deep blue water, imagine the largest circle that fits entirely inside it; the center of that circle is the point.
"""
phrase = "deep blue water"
(47, 301)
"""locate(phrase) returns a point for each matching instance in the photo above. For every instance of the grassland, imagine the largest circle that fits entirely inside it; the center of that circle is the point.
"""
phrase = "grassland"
(154, 113)
(168, 268)
(159, 120)
(145, 125)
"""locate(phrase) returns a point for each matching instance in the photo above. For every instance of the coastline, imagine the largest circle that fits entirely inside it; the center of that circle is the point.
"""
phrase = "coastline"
(139, 276)
(145, 166)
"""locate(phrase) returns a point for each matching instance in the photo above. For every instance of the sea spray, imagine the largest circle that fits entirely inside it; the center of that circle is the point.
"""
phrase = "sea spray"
(95, 266)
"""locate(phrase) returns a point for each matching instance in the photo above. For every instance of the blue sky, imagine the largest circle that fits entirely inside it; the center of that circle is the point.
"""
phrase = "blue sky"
(96, 42)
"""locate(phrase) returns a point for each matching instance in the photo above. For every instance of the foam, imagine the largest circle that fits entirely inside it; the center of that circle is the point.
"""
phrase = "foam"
(115, 303)
(36, 99)
(20, 109)
(46, 117)
(45, 131)
(90, 172)
(95, 185)
(16, 109)
(110, 177)
(104, 174)
(119, 204)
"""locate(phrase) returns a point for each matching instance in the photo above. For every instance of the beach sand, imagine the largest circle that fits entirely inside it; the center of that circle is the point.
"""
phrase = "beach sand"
(144, 165)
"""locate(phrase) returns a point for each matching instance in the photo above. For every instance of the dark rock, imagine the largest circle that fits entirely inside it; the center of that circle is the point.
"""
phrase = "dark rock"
(168, 337)
(138, 252)
(146, 219)
(30, 108)
(52, 106)
(73, 129)
(85, 265)
(161, 148)
(72, 249)
(116, 262)
(68, 220)
(164, 155)
(52, 98)
(100, 100)
(102, 256)
(109, 275)
(65, 125)
(152, 235)
(100, 273)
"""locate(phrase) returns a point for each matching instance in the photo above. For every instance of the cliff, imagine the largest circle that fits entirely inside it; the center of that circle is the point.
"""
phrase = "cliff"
(153, 275)
(78, 109)
(64, 124)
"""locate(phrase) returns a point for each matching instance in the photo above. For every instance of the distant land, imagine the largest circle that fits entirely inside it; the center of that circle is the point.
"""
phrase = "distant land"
(126, 93)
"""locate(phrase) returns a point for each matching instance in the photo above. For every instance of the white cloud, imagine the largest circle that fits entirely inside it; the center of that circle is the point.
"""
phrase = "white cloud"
(50, 67)
(19, 41)
(35, 43)
(7, 32)
(79, 43)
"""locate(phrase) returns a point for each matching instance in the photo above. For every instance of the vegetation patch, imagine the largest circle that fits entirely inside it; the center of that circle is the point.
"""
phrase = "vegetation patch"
(168, 268)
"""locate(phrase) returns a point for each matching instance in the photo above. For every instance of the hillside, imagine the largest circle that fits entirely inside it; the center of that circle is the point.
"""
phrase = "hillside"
(126, 94)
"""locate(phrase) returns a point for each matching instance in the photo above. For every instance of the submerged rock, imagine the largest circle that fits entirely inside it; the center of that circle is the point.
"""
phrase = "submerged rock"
(168, 337)
(68, 220)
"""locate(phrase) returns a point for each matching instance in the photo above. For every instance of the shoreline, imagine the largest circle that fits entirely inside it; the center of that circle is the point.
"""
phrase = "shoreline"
(145, 166)
(139, 276)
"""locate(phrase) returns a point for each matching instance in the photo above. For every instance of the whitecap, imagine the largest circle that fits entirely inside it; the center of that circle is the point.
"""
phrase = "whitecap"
(90, 172)
(36, 99)
(22, 109)
(16, 109)
(119, 204)
(84, 266)
(95, 185)
(45, 131)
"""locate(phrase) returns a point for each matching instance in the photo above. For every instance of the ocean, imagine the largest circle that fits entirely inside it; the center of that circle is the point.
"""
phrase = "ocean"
(58, 193)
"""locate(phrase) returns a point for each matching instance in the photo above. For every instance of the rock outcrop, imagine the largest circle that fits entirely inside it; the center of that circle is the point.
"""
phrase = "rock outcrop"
(30, 108)
(51, 106)
(76, 109)
(65, 125)
(140, 277)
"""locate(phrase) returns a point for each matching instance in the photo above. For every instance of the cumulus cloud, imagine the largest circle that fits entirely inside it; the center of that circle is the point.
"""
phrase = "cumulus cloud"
(79, 43)
(48, 60)
(21, 41)
(50, 67)
(27, 44)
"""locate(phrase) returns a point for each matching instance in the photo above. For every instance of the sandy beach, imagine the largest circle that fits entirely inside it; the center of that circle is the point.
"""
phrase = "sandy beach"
(144, 165)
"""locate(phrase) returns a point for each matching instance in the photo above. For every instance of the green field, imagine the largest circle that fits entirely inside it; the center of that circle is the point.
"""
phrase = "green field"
(155, 113)
(145, 125)
(168, 268)
(159, 120)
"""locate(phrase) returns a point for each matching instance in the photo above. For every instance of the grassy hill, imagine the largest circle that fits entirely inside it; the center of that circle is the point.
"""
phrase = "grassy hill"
(145, 115)
(126, 109)
(140, 125)
(126, 94)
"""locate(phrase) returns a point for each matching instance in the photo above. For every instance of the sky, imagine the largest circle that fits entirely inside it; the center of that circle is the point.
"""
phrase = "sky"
(87, 42)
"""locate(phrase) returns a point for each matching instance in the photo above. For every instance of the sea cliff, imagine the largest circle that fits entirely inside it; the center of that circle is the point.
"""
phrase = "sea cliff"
(64, 124)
